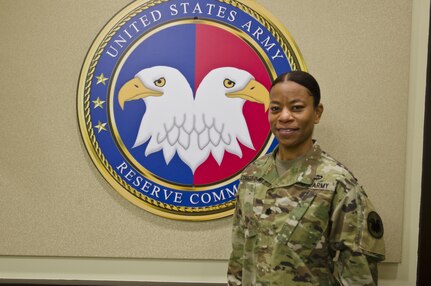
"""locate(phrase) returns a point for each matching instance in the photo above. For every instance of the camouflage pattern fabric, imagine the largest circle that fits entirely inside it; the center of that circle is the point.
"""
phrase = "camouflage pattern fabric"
(313, 225)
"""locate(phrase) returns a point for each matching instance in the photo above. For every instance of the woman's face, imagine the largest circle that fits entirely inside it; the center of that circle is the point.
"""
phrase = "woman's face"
(292, 116)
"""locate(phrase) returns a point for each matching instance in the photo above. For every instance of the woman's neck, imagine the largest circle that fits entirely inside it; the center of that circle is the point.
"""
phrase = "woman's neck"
(292, 153)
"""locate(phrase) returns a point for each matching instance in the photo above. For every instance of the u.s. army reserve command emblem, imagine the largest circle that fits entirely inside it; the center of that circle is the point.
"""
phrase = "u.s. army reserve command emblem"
(173, 99)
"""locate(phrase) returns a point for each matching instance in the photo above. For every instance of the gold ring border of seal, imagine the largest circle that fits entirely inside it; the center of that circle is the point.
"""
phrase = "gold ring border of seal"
(281, 35)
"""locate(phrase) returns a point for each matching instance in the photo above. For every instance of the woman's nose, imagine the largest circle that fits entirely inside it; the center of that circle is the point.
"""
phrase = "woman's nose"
(285, 115)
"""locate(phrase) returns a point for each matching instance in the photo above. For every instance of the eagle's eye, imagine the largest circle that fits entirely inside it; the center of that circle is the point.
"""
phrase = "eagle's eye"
(228, 83)
(160, 82)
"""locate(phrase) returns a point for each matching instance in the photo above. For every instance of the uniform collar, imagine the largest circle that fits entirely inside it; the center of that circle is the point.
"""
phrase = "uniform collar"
(302, 172)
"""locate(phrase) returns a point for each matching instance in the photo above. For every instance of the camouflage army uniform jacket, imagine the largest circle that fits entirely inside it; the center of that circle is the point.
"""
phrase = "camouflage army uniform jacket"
(313, 225)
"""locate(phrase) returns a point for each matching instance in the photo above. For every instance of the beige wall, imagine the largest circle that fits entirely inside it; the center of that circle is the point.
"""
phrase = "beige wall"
(54, 203)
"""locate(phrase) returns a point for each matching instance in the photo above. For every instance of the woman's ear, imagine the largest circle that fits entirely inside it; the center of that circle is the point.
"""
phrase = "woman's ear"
(318, 111)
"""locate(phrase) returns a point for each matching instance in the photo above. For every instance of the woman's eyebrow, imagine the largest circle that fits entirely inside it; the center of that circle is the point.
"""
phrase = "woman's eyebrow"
(295, 100)
(274, 101)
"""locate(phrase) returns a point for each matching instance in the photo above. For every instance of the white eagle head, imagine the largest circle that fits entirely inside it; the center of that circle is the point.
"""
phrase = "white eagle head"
(168, 99)
(158, 83)
(235, 84)
(220, 122)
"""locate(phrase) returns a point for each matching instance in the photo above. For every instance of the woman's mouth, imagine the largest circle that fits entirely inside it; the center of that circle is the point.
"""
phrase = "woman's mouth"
(287, 131)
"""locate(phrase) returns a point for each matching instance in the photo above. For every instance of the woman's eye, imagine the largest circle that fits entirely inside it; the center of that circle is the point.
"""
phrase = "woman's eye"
(228, 83)
(160, 82)
(297, 107)
(274, 108)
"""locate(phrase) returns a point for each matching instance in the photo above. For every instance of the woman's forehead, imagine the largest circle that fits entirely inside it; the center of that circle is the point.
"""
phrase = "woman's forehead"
(289, 91)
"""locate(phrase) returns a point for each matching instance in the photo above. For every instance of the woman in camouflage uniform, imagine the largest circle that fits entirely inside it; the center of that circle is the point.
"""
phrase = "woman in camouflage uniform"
(301, 216)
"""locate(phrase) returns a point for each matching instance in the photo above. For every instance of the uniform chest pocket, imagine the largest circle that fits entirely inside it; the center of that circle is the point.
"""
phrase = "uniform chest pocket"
(247, 192)
(294, 217)
(313, 223)
(280, 211)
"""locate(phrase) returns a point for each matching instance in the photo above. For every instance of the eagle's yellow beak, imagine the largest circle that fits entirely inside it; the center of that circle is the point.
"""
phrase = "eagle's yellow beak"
(134, 89)
(253, 91)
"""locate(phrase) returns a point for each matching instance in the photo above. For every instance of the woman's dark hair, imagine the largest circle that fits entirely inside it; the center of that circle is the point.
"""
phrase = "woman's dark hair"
(302, 78)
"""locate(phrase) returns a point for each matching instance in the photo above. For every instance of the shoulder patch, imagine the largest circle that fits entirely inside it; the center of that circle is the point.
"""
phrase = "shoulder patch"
(375, 225)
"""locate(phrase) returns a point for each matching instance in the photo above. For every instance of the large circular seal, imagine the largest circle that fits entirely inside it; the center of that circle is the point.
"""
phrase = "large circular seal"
(173, 97)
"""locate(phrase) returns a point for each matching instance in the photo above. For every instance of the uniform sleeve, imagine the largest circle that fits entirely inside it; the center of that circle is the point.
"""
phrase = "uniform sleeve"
(356, 237)
(234, 273)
